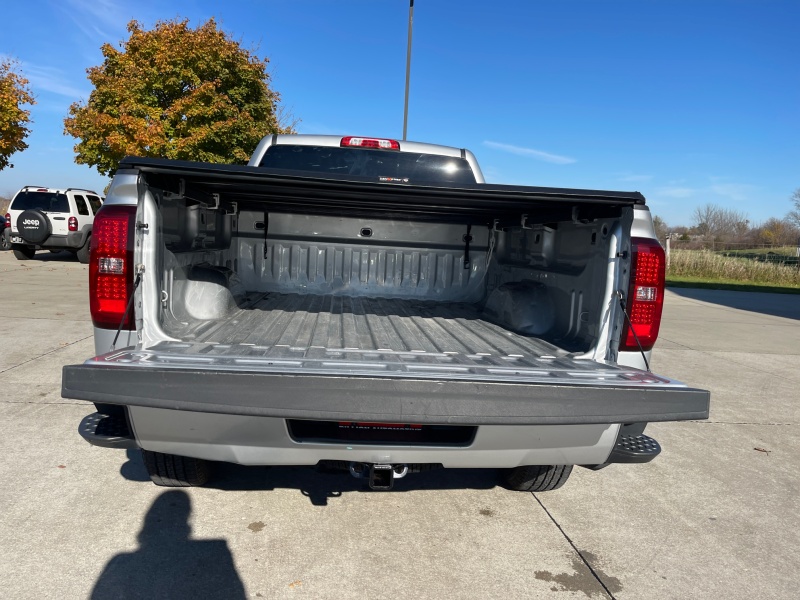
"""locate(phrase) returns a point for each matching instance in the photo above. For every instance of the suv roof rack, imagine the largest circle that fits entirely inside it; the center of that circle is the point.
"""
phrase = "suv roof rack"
(82, 190)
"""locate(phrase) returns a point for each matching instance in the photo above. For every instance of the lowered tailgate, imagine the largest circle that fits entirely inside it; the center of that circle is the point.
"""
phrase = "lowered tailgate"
(385, 388)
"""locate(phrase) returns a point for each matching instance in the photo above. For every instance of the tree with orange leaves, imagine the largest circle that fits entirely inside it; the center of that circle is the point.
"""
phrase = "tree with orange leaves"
(175, 92)
(14, 94)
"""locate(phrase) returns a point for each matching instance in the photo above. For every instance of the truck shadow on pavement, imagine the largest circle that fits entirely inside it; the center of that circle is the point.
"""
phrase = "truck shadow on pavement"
(168, 563)
(777, 305)
(320, 485)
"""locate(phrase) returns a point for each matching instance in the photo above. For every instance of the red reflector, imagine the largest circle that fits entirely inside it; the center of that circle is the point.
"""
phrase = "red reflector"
(360, 142)
(72, 224)
(111, 266)
(645, 295)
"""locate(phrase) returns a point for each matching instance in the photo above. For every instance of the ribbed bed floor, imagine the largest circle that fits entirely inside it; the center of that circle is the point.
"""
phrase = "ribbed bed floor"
(337, 322)
(291, 333)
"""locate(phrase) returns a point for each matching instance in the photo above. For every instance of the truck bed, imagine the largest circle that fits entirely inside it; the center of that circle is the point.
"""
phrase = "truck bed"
(347, 336)
(336, 323)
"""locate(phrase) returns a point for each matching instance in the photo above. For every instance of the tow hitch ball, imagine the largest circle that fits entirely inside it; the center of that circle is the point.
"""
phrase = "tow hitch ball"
(381, 476)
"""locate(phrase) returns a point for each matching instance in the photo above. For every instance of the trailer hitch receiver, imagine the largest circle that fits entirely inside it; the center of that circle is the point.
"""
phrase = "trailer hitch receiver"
(381, 477)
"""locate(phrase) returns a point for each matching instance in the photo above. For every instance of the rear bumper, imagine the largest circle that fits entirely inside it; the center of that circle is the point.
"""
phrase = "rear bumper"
(268, 441)
(393, 400)
(251, 440)
(73, 240)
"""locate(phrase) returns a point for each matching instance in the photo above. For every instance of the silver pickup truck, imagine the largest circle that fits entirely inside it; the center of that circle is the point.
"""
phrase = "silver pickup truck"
(373, 306)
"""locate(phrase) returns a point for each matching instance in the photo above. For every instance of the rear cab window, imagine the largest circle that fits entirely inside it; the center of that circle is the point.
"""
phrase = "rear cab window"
(49, 202)
(382, 165)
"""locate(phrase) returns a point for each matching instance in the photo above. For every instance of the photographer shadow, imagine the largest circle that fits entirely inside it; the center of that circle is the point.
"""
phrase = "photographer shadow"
(168, 563)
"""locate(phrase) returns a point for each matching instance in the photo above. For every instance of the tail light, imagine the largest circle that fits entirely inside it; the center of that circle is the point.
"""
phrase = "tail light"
(72, 224)
(111, 267)
(645, 295)
(8, 220)
(360, 142)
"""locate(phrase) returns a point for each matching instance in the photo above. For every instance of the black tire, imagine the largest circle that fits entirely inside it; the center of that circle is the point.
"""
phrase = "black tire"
(5, 244)
(537, 478)
(23, 252)
(169, 470)
(83, 251)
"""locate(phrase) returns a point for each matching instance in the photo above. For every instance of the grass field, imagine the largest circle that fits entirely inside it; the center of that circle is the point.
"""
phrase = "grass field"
(704, 268)
(786, 255)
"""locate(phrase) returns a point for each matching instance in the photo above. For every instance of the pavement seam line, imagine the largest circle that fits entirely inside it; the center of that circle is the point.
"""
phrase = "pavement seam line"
(59, 403)
(715, 354)
(45, 354)
(51, 319)
(742, 423)
(725, 308)
(575, 548)
(782, 377)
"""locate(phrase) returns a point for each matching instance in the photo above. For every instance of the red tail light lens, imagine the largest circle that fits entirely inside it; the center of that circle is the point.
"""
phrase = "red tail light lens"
(111, 267)
(646, 294)
(360, 142)
(8, 220)
(72, 224)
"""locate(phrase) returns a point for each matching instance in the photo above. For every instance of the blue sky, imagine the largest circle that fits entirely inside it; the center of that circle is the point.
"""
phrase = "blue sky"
(689, 102)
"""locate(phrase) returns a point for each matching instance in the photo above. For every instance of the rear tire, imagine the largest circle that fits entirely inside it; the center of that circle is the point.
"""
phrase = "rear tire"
(4, 243)
(83, 251)
(169, 470)
(537, 478)
(23, 252)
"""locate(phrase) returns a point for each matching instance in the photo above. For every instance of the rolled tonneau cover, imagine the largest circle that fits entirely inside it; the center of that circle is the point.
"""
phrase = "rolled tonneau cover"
(293, 189)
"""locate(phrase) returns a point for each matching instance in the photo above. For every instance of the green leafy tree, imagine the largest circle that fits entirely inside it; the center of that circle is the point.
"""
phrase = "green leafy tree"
(175, 92)
(14, 94)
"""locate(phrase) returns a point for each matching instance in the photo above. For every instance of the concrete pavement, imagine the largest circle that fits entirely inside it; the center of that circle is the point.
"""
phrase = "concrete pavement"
(714, 516)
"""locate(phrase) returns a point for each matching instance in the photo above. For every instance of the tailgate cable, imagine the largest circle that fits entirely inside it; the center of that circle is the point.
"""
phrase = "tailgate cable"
(633, 331)
(467, 239)
(136, 283)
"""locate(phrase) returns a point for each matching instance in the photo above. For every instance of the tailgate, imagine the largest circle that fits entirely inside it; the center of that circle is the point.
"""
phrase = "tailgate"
(385, 389)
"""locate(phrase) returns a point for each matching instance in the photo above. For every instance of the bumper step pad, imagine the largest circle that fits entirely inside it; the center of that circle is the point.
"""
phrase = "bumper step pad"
(634, 449)
(107, 431)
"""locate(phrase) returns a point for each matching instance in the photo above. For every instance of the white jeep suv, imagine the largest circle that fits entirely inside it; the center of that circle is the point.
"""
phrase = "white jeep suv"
(52, 219)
